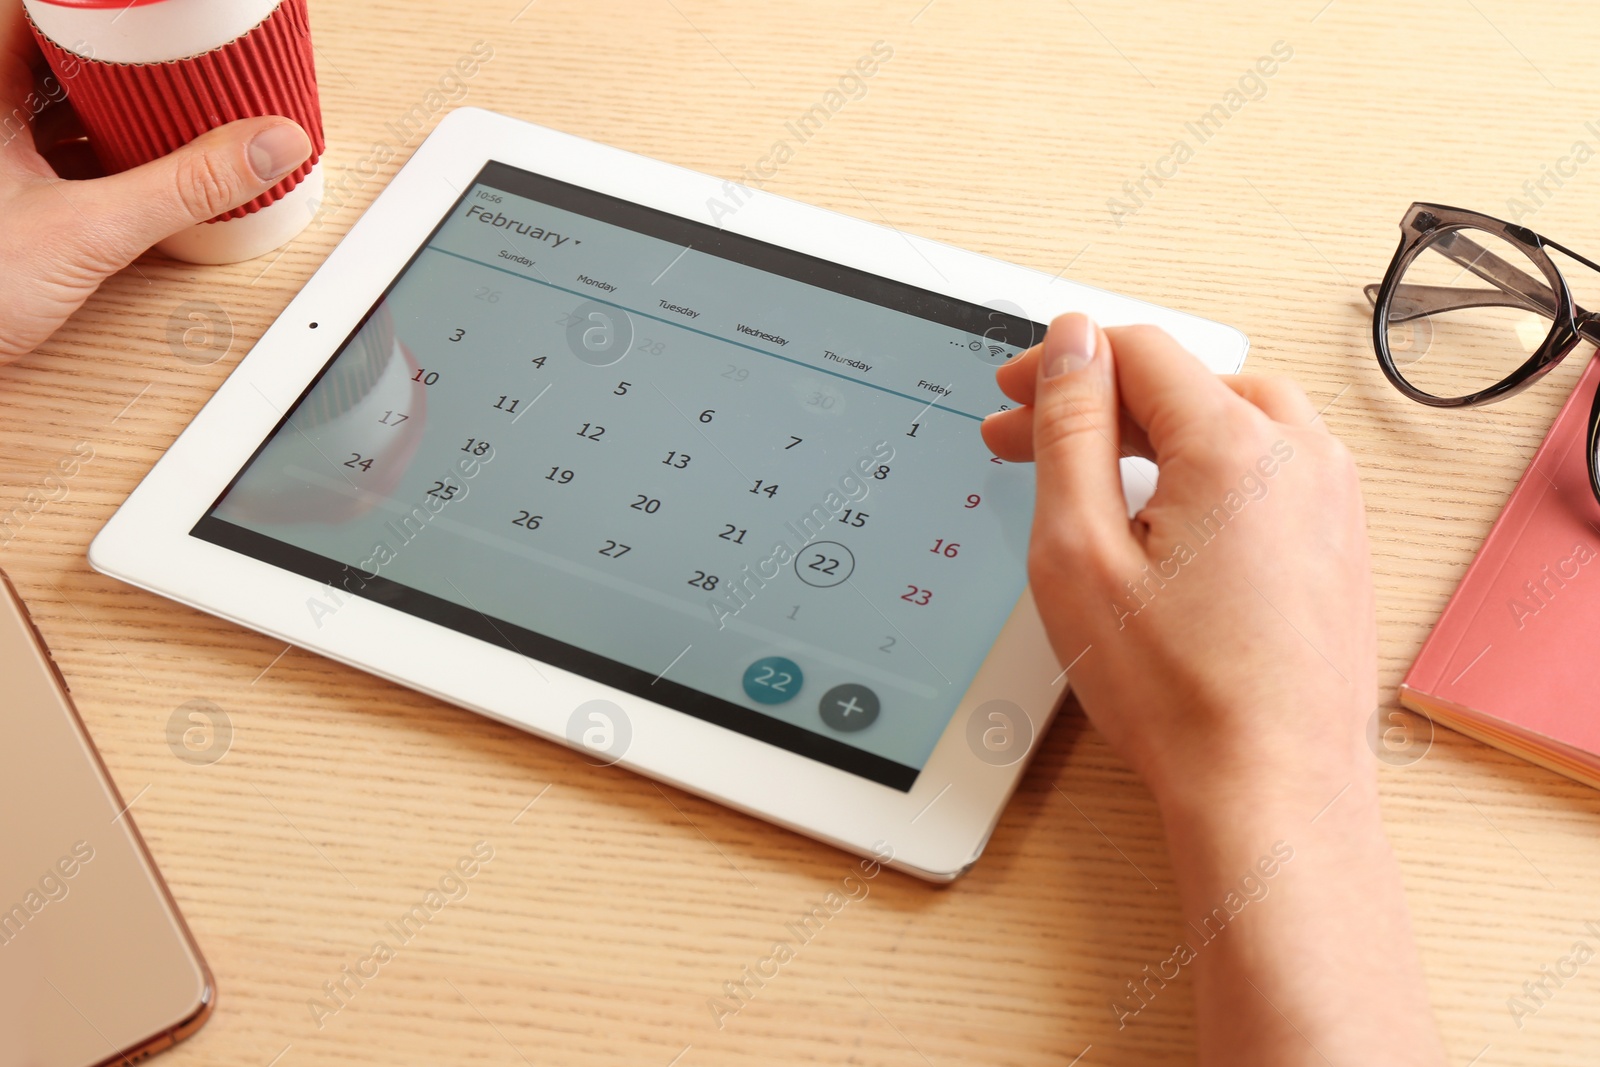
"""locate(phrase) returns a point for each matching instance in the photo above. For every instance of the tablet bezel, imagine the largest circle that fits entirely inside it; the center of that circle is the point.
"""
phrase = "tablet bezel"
(936, 830)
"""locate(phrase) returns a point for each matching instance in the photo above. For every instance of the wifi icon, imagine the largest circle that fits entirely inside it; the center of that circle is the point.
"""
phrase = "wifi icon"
(996, 351)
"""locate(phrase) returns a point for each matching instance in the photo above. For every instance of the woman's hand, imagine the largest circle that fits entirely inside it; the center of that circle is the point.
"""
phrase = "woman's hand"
(60, 239)
(1223, 641)
(1224, 638)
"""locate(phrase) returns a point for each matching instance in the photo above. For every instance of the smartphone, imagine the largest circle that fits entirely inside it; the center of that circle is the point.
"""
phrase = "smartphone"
(96, 964)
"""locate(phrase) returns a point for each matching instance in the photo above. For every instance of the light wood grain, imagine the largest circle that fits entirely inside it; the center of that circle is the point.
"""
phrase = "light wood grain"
(613, 909)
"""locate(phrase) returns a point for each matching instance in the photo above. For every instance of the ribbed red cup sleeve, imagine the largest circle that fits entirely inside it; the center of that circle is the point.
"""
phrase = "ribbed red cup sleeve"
(136, 112)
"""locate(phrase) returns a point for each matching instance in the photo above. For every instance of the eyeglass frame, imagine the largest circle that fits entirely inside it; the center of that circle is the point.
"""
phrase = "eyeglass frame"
(1427, 225)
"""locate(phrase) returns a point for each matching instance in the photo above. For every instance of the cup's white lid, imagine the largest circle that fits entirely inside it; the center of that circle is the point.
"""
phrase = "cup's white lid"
(145, 31)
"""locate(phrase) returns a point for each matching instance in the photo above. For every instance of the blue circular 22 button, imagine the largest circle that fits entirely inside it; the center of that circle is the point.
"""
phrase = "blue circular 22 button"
(773, 680)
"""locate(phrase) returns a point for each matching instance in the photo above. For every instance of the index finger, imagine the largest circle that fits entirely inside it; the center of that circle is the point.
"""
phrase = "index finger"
(1280, 398)
(1165, 389)
(1018, 377)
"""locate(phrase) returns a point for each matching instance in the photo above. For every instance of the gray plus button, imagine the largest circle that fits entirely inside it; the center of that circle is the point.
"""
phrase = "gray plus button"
(849, 707)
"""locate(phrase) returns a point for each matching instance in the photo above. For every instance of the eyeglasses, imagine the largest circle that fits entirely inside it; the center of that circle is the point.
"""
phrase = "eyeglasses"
(1466, 297)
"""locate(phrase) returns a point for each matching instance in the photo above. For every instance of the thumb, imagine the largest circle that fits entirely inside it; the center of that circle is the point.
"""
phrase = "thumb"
(216, 172)
(1075, 434)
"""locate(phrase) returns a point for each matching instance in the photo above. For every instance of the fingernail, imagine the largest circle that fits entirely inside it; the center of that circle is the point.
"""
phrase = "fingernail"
(277, 150)
(1071, 349)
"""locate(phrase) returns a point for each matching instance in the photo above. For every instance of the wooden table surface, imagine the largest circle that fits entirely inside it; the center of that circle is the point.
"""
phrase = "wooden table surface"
(614, 910)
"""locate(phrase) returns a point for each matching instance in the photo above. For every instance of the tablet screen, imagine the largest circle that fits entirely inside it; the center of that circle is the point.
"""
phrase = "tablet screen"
(736, 480)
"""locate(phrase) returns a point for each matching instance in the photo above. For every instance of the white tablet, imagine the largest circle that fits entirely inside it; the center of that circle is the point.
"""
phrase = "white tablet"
(680, 473)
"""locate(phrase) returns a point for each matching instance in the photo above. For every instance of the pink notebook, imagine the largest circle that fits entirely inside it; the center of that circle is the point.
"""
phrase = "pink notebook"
(1515, 659)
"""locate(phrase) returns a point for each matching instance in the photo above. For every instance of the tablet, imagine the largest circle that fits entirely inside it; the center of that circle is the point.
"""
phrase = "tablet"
(677, 472)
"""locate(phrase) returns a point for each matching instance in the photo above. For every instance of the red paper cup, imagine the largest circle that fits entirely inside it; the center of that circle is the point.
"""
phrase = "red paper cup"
(147, 76)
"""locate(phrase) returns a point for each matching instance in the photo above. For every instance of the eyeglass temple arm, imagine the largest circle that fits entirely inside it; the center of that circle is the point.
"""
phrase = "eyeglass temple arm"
(1517, 288)
(1416, 301)
(1535, 294)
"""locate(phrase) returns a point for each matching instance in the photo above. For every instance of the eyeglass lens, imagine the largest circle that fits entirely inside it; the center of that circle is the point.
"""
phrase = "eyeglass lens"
(1468, 310)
